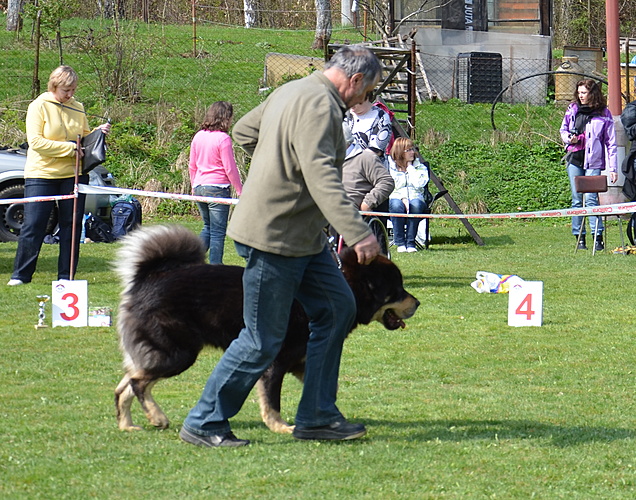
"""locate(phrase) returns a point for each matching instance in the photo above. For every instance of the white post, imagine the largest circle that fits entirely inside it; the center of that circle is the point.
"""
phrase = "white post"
(345, 13)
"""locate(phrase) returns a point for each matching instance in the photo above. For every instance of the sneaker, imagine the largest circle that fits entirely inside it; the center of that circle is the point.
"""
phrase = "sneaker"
(227, 440)
(411, 249)
(401, 249)
(340, 430)
(599, 246)
(14, 282)
(581, 244)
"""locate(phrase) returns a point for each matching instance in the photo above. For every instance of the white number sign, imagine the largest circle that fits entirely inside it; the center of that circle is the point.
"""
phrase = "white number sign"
(70, 303)
(525, 304)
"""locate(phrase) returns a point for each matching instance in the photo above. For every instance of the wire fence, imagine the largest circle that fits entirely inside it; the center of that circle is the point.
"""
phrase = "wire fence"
(161, 68)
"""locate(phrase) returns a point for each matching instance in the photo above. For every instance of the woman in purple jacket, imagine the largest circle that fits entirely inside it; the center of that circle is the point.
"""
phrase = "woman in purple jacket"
(588, 133)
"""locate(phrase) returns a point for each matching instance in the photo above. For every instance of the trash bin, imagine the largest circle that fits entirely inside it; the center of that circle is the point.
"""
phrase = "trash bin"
(628, 74)
(478, 76)
(565, 80)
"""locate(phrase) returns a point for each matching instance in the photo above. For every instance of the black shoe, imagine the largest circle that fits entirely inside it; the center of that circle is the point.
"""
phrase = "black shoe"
(340, 430)
(599, 246)
(581, 245)
(214, 441)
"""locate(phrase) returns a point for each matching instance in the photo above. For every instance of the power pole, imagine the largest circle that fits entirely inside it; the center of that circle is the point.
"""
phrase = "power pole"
(613, 57)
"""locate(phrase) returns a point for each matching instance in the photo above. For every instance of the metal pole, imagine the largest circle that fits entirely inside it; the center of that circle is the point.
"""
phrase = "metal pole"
(627, 83)
(614, 100)
(613, 57)
(194, 28)
(412, 89)
(74, 234)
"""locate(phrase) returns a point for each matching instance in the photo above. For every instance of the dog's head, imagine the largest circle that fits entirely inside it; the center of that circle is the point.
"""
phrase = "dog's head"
(379, 291)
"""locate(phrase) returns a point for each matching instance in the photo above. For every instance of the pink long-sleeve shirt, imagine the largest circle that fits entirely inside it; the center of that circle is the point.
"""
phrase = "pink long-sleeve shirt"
(212, 160)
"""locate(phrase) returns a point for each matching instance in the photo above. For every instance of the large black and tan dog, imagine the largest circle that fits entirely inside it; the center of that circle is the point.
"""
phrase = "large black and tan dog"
(173, 304)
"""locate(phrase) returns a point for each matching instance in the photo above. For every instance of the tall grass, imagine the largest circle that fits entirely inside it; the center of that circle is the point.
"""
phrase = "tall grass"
(458, 405)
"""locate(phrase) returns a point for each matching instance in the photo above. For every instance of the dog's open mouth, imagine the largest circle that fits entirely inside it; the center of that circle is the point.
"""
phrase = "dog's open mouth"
(391, 321)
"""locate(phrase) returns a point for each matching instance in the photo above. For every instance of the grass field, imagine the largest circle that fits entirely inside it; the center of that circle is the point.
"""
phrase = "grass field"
(457, 405)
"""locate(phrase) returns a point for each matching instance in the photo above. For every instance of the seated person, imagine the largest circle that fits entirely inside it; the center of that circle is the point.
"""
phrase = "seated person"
(367, 182)
(411, 180)
(370, 126)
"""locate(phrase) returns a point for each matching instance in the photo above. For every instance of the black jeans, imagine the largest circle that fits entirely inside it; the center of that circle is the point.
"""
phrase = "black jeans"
(36, 217)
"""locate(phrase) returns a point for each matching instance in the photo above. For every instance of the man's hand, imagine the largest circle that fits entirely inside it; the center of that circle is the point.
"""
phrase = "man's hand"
(367, 249)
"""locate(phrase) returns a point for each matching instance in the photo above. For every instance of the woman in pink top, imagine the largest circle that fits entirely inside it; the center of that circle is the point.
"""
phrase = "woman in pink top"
(212, 171)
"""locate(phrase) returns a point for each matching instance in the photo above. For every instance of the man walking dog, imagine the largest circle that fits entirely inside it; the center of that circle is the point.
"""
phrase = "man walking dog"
(293, 189)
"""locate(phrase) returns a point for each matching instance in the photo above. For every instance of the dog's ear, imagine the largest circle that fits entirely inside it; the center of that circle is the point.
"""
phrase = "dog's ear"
(350, 266)
(366, 282)
(349, 257)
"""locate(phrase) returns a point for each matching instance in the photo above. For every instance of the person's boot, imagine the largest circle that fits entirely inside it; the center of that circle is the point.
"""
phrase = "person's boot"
(581, 245)
(599, 246)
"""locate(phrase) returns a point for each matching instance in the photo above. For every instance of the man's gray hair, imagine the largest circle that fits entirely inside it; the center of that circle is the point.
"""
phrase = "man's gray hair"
(354, 59)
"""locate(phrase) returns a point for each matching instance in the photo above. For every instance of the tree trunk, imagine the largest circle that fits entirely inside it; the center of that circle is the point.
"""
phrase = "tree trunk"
(14, 20)
(112, 7)
(108, 9)
(35, 84)
(323, 24)
(250, 9)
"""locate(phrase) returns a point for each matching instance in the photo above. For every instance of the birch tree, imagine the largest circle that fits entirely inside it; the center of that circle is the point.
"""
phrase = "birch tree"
(323, 24)
(250, 9)
(14, 9)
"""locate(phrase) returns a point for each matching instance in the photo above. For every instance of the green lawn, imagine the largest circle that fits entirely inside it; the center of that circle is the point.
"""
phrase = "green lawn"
(457, 405)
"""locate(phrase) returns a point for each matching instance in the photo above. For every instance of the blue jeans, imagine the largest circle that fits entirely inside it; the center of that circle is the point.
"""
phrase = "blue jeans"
(214, 221)
(405, 229)
(591, 200)
(270, 284)
(36, 218)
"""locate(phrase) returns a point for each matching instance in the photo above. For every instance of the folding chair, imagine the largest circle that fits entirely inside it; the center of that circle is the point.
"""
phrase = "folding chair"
(423, 238)
(585, 184)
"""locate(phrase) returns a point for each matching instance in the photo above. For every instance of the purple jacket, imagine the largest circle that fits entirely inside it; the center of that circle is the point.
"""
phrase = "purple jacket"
(599, 139)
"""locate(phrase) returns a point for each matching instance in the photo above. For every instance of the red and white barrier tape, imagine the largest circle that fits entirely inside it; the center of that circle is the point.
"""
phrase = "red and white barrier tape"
(11, 201)
(84, 188)
(615, 209)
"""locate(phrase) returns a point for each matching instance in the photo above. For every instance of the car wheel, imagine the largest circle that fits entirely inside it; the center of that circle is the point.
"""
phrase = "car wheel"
(12, 216)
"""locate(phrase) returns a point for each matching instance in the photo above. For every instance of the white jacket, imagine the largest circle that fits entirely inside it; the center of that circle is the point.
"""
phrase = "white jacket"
(410, 184)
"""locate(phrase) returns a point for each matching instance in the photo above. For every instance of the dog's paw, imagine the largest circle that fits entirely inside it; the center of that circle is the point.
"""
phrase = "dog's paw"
(160, 422)
(130, 428)
(280, 427)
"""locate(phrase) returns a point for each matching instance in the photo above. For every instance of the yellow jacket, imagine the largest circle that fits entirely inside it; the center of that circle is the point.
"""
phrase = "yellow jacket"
(52, 129)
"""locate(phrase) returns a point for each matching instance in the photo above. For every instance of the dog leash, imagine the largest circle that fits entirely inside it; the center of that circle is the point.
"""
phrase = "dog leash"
(334, 251)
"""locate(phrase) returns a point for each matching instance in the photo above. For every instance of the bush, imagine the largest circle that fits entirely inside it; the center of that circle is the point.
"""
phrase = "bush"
(507, 177)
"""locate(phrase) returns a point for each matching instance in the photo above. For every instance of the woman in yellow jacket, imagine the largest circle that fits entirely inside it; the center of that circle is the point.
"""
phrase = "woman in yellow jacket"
(53, 122)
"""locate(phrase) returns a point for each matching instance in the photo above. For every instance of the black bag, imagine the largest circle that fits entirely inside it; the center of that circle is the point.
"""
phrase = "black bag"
(125, 216)
(97, 230)
(94, 147)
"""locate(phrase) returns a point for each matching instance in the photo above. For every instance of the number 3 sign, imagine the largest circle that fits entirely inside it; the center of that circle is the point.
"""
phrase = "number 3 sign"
(525, 304)
(70, 303)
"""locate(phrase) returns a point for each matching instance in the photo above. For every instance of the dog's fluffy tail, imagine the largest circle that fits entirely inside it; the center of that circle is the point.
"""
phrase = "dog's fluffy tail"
(156, 249)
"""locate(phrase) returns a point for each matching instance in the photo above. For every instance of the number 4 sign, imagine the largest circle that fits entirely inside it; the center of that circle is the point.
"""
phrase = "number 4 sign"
(525, 304)
(70, 303)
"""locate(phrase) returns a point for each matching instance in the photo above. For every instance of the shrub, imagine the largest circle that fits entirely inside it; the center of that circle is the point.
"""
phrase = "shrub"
(507, 177)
